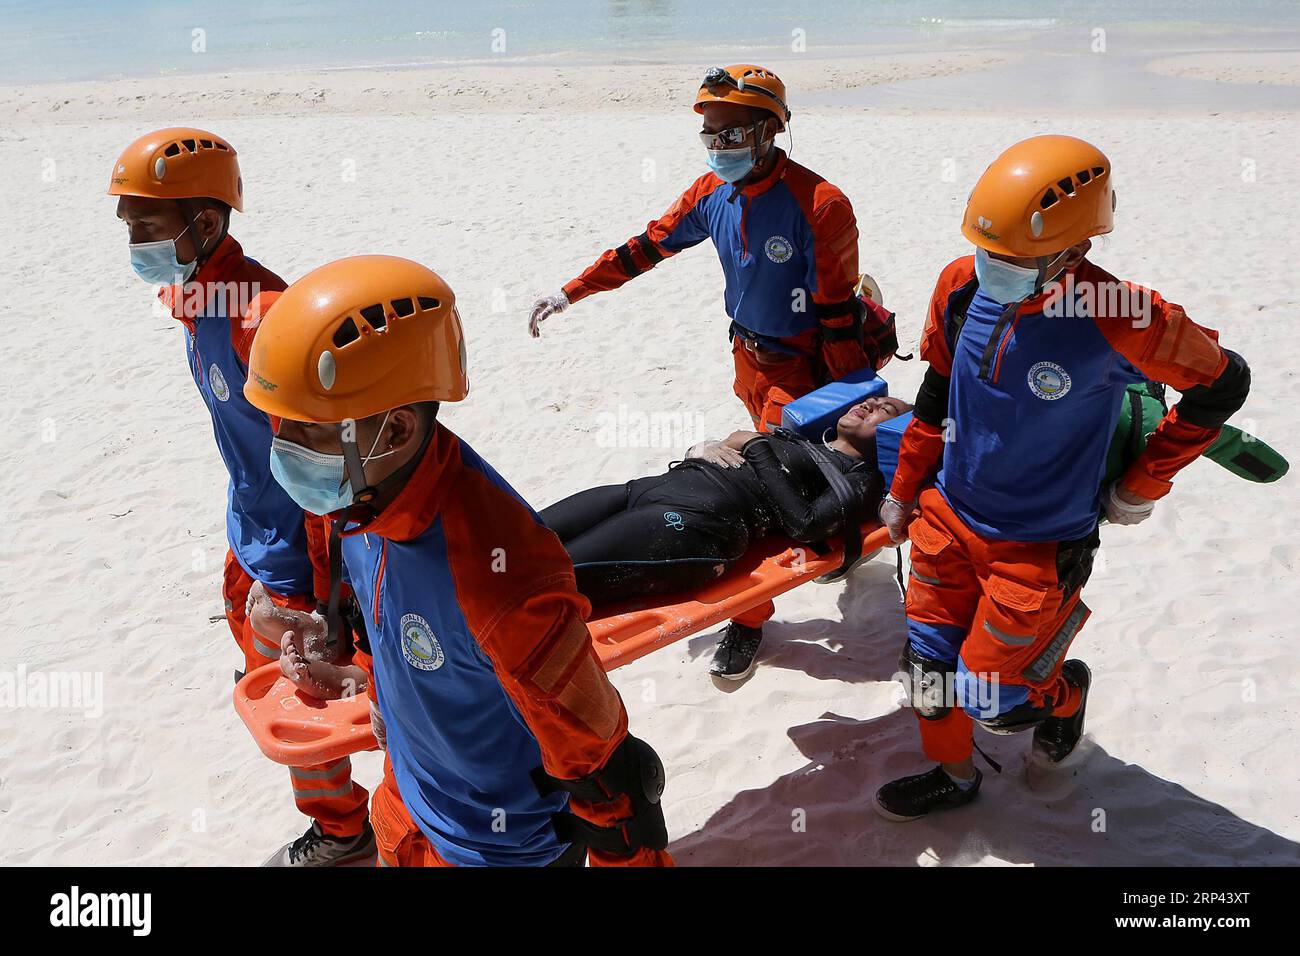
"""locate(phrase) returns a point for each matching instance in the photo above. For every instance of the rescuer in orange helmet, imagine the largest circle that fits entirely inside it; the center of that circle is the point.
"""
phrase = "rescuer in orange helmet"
(176, 189)
(1030, 349)
(787, 241)
(506, 742)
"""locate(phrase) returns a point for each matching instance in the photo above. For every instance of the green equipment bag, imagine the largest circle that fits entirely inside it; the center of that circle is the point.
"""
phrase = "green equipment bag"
(1239, 452)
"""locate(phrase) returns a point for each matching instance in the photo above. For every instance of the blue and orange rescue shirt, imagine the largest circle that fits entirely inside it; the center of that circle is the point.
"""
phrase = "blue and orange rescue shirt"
(483, 667)
(1033, 396)
(267, 531)
(788, 245)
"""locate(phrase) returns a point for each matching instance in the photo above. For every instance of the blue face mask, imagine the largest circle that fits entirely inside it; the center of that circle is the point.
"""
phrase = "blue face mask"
(731, 165)
(156, 262)
(1004, 282)
(317, 481)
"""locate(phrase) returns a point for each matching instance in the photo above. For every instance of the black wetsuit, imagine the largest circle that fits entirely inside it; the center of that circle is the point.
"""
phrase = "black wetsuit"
(681, 529)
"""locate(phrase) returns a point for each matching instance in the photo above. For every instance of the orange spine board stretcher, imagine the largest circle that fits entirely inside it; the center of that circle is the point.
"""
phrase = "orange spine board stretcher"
(300, 731)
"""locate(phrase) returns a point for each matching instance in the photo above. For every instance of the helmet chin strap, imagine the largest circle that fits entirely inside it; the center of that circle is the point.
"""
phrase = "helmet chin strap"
(1044, 264)
(362, 491)
(755, 131)
(354, 464)
(771, 143)
(356, 474)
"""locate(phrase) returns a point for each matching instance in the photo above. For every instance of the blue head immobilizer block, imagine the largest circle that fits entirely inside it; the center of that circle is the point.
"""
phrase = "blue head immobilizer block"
(888, 436)
(819, 410)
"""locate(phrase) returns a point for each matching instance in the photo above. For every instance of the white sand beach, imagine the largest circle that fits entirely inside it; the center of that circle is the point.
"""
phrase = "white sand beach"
(509, 181)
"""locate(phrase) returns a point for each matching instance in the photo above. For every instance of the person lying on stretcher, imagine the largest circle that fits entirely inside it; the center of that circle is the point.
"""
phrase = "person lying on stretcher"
(677, 531)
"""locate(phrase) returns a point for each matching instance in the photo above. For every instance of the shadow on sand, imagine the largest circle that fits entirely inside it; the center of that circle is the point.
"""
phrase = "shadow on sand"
(1095, 810)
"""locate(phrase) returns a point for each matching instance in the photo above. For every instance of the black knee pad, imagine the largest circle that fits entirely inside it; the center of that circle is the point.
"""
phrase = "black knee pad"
(927, 682)
(1019, 718)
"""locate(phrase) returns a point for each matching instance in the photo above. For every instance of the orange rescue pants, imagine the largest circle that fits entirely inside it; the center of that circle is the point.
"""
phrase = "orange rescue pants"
(995, 608)
(767, 381)
(397, 838)
(325, 792)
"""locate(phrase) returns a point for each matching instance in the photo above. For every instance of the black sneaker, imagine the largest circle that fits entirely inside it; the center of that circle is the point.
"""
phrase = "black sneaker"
(315, 848)
(910, 798)
(1056, 737)
(737, 652)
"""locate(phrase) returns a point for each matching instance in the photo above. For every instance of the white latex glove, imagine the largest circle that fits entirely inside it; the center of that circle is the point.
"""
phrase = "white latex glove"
(893, 515)
(1122, 510)
(717, 452)
(377, 725)
(543, 309)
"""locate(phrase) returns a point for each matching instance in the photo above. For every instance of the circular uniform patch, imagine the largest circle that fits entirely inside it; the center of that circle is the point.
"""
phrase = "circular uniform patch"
(778, 249)
(219, 386)
(1048, 381)
(420, 648)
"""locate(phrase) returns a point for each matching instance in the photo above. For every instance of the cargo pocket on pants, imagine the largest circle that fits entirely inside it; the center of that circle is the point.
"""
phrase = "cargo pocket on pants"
(1013, 617)
(391, 823)
(928, 542)
(928, 596)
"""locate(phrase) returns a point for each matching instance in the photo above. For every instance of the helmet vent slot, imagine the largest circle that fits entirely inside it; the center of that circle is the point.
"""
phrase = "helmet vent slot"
(374, 316)
(1049, 199)
(1083, 176)
(346, 333)
(403, 307)
(428, 303)
(1098, 172)
(205, 143)
(173, 150)
(221, 146)
(1067, 185)
(190, 144)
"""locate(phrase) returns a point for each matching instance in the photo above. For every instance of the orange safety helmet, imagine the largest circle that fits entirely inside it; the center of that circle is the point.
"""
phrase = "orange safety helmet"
(1041, 196)
(180, 162)
(746, 84)
(354, 338)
